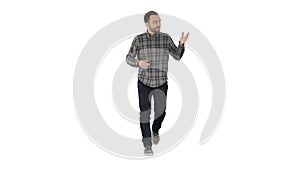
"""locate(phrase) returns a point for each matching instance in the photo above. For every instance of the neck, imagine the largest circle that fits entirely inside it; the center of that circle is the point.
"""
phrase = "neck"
(150, 32)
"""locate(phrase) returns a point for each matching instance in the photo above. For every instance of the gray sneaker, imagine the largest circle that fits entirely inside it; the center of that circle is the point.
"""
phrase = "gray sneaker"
(148, 151)
(156, 137)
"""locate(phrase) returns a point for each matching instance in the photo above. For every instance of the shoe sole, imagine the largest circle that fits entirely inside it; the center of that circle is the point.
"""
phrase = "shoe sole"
(148, 154)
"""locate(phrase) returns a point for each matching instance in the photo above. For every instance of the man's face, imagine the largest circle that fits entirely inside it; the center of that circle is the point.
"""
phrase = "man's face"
(154, 23)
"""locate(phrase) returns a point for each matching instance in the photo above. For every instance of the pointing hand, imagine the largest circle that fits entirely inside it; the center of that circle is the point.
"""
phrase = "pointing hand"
(144, 64)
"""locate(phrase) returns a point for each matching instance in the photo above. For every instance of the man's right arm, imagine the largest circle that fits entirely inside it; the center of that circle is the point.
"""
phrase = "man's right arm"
(130, 57)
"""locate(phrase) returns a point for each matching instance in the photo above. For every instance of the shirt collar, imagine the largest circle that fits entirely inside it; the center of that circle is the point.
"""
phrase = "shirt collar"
(149, 35)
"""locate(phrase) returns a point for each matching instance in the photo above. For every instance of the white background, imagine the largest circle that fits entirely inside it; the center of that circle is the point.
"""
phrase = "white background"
(257, 43)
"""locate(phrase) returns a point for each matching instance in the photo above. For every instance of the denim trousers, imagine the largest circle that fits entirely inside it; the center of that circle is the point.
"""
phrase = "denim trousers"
(160, 99)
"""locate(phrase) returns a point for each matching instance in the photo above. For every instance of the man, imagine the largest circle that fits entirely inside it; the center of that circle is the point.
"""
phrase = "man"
(152, 49)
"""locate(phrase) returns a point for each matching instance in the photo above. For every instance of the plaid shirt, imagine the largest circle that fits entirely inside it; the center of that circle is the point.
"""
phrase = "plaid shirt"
(156, 50)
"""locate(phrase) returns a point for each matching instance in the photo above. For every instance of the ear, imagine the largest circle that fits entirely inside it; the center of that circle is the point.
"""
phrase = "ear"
(147, 24)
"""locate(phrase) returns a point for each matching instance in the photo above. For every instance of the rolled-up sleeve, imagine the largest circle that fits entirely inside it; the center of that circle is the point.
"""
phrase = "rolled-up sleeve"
(130, 57)
(176, 52)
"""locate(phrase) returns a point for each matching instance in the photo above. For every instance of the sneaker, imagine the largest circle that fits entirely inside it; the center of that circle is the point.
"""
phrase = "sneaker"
(156, 137)
(148, 151)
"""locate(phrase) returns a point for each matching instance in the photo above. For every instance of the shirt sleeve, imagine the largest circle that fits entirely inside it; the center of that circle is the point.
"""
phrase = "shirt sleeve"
(176, 52)
(130, 57)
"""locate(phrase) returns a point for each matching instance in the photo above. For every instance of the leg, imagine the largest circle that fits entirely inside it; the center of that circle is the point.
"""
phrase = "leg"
(160, 102)
(145, 111)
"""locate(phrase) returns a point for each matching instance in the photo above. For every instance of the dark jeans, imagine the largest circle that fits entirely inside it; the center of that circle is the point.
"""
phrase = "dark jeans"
(160, 98)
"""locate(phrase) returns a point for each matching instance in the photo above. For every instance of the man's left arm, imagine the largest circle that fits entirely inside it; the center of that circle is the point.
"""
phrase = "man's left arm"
(176, 52)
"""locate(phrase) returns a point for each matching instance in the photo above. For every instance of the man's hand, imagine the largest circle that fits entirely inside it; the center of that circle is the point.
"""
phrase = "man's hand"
(184, 38)
(144, 64)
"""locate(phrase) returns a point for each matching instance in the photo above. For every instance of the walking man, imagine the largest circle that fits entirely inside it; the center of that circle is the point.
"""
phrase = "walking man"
(152, 50)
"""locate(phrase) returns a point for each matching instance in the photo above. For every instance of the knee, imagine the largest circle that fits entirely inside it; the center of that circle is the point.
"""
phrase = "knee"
(145, 116)
(159, 112)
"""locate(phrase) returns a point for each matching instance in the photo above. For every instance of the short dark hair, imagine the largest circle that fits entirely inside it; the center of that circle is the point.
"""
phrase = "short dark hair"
(148, 14)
